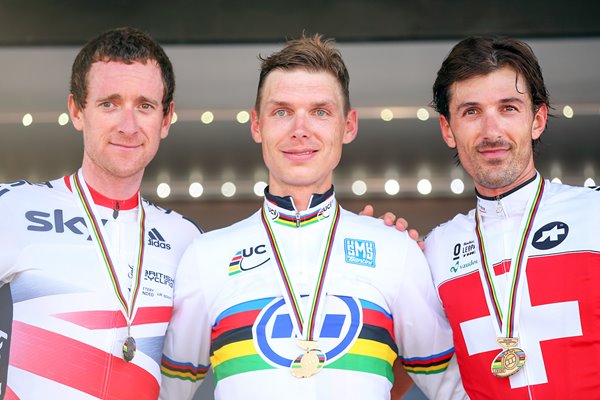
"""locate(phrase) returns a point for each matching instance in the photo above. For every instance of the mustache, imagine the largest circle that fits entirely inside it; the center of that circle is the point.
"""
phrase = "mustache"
(487, 144)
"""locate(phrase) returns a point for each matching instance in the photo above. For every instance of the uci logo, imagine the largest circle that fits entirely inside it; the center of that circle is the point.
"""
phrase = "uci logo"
(325, 212)
(273, 213)
(240, 261)
(550, 235)
(276, 340)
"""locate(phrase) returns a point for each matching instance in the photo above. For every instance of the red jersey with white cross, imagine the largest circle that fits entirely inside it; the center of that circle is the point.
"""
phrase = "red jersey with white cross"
(558, 311)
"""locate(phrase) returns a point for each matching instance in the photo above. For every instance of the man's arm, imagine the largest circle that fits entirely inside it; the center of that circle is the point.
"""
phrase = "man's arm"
(423, 333)
(390, 219)
(185, 359)
(402, 382)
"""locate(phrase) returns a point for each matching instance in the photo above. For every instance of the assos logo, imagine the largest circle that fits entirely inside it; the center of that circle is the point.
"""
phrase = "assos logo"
(550, 235)
(241, 260)
(156, 239)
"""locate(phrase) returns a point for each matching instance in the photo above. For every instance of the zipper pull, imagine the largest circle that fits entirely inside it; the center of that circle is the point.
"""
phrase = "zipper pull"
(498, 206)
(297, 219)
(116, 210)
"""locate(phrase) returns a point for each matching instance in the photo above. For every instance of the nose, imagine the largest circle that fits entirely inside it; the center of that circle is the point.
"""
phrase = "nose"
(301, 122)
(128, 124)
(491, 125)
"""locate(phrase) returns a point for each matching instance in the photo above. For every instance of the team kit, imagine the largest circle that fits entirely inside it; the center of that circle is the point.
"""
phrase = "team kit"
(123, 299)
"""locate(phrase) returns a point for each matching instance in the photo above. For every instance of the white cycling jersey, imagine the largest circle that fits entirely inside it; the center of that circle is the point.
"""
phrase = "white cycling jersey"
(229, 311)
(61, 326)
(557, 320)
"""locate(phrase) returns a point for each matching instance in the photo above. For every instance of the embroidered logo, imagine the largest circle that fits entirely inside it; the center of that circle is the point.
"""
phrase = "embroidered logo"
(550, 235)
(241, 260)
(157, 240)
(360, 252)
(460, 252)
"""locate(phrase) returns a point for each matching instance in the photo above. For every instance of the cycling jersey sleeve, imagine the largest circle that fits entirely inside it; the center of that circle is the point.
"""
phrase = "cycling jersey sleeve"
(185, 360)
(423, 334)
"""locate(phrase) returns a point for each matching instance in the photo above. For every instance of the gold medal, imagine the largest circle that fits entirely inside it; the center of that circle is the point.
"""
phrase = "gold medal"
(510, 360)
(506, 311)
(308, 363)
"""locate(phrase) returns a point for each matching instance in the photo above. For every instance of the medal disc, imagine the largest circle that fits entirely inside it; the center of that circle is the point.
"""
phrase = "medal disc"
(129, 348)
(508, 362)
(308, 363)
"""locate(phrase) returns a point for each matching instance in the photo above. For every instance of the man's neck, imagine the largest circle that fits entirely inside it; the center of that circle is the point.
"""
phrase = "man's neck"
(113, 187)
(499, 192)
(301, 200)
(300, 196)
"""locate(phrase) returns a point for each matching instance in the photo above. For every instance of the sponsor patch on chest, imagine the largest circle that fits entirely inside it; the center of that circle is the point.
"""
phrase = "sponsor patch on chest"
(360, 252)
(464, 257)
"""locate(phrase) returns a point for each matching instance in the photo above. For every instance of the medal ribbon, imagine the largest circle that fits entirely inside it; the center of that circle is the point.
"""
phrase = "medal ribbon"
(97, 232)
(506, 321)
(292, 299)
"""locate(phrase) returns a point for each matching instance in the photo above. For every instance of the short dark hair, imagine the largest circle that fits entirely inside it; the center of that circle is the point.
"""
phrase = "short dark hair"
(314, 54)
(127, 45)
(482, 55)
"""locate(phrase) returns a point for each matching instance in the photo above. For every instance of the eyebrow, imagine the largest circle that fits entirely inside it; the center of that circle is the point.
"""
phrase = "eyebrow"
(501, 101)
(115, 96)
(281, 103)
(111, 97)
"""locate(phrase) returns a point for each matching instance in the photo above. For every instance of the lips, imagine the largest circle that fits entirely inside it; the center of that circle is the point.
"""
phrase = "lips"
(299, 154)
(494, 149)
(127, 145)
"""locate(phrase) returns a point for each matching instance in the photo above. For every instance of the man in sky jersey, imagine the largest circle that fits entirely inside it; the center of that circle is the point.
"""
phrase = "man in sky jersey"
(518, 276)
(87, 266)
(305, 300)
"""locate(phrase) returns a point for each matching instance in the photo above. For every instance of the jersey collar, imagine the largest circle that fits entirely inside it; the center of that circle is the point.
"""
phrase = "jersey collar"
(102, 200)
(509, 204)
(287, 203)
(282, 210)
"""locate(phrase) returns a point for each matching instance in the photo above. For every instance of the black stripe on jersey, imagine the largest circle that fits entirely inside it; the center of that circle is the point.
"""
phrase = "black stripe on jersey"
(378, 334)
(369, 332)
(231, 336)
(6, 317)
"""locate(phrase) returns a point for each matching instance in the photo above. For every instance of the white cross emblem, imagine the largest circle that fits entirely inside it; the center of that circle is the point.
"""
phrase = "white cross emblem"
(537, 324)
(553, 234)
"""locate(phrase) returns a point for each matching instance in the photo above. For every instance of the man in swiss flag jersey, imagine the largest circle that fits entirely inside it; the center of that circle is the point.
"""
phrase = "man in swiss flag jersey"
(518, 276)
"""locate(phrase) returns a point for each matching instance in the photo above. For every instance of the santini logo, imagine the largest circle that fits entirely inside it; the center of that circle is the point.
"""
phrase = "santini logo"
(155, 239)
(361, 252)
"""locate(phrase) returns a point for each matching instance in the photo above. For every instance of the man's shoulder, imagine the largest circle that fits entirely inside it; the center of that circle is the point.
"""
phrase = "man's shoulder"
(459, 223)
(370, 227)
(242, 229)
(22, 190)
(560, 191)
(162, 215)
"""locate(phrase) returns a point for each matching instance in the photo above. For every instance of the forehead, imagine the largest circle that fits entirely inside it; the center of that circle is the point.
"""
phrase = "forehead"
(118, 76)
(300, 84)
(500, 84)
